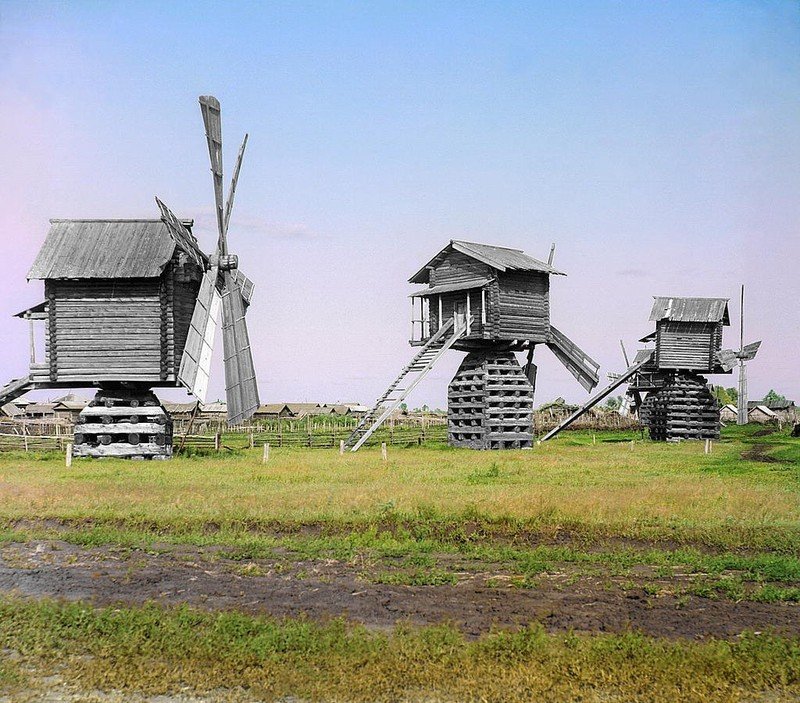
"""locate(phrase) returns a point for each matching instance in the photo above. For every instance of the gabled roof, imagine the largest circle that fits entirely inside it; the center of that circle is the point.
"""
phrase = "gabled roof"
(107, 249)
(690, 309)
(70, 405)
(175, 408)
(272, 408)
(771, 404)
(763, 409)
(500, 258)
(304, 408)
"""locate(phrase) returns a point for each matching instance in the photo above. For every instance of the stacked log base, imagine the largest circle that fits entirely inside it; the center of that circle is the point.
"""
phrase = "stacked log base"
(490, 403)
(645, 409)
(684, 408)
(122, 423)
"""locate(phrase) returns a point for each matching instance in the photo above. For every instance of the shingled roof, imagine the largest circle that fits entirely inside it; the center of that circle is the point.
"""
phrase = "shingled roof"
(105, 249)
(500, 258)
(690, 309)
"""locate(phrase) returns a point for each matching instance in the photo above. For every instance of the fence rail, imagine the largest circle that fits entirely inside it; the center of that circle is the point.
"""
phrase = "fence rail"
(18, 437)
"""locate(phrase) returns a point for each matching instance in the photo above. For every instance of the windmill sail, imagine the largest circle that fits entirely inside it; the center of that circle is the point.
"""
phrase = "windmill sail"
(577, 361)
(180, 235)
(195, 366)
(241, 388)
(212, 119)
(749, 351)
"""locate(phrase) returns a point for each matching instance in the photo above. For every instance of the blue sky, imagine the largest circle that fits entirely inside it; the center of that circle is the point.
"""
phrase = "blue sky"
(656, 143)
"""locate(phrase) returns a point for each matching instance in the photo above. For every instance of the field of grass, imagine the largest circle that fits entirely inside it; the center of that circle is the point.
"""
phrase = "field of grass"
(611, 508)
(653, 491)
(152, 650)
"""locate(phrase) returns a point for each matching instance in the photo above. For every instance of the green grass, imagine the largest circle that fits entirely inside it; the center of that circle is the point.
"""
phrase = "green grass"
(400, 556)
(655, 492)
(238, 657)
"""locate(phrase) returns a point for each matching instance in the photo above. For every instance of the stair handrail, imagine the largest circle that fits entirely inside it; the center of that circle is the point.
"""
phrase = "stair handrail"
(370, 415)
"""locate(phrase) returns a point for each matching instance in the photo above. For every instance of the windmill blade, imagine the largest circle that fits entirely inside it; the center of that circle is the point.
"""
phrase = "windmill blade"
(212, 119)
(726, 358)
(234, 181)
(749, 351)
(180, 235)
(195, 367)
(241, 388)
(576, 361)
(246, 286)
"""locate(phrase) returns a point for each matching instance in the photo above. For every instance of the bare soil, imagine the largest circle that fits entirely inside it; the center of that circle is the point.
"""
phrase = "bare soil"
(483, 596)
(759, 452)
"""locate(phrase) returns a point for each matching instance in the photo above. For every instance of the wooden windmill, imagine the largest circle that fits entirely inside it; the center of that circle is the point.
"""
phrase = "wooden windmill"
(132, 305)
(490, 302)
(670, 393)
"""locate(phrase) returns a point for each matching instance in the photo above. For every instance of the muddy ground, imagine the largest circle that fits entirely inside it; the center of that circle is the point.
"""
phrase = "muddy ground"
(482, 597)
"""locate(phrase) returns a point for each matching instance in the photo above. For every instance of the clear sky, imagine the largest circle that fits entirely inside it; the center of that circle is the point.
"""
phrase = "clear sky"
(658, 144)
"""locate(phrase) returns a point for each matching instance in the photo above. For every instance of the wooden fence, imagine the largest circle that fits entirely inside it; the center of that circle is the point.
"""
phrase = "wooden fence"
(295, 433)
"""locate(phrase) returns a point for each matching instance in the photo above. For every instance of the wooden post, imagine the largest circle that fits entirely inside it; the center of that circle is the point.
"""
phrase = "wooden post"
(708, 446)
(217, 440)
(384, 455)
(341, 447)
(252, 441)
(265, 456)
(594, 438)
(69, 454)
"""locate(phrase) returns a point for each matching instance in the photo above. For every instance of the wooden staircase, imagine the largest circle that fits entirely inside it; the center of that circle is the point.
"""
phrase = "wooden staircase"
(408, 379)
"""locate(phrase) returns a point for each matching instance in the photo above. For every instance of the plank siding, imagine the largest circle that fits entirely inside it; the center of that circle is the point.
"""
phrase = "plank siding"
(523, 305)
(458, 267)
(105, 330)
(687, 345)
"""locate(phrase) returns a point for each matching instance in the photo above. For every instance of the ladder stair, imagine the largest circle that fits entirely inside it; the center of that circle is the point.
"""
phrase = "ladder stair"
(412, 373)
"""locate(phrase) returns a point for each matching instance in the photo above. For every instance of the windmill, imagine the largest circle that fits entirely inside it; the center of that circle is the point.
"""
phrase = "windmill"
(132, 305)
(490, 302)
(672, 397)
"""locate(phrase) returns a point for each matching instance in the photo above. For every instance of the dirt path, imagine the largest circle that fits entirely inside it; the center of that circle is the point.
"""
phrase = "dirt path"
(479, 600)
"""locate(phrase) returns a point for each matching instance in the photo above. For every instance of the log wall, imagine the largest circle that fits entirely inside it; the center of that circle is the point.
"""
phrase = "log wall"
(104, 330)
(687, 345)
(523, 303)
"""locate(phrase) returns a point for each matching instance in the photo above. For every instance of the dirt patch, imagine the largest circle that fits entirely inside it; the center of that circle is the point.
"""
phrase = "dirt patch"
(758, 452)
(764, 432)
(480, 599)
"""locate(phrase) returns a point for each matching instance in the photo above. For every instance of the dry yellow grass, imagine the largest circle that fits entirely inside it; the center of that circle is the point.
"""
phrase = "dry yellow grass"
(607, 487)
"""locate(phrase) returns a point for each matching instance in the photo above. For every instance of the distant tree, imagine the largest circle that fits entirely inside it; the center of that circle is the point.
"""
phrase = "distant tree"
(614, 402)
(723, 396)
(773, 397)
(404, 407)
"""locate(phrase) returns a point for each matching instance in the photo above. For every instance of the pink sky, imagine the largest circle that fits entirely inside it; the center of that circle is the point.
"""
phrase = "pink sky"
(656, 145)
